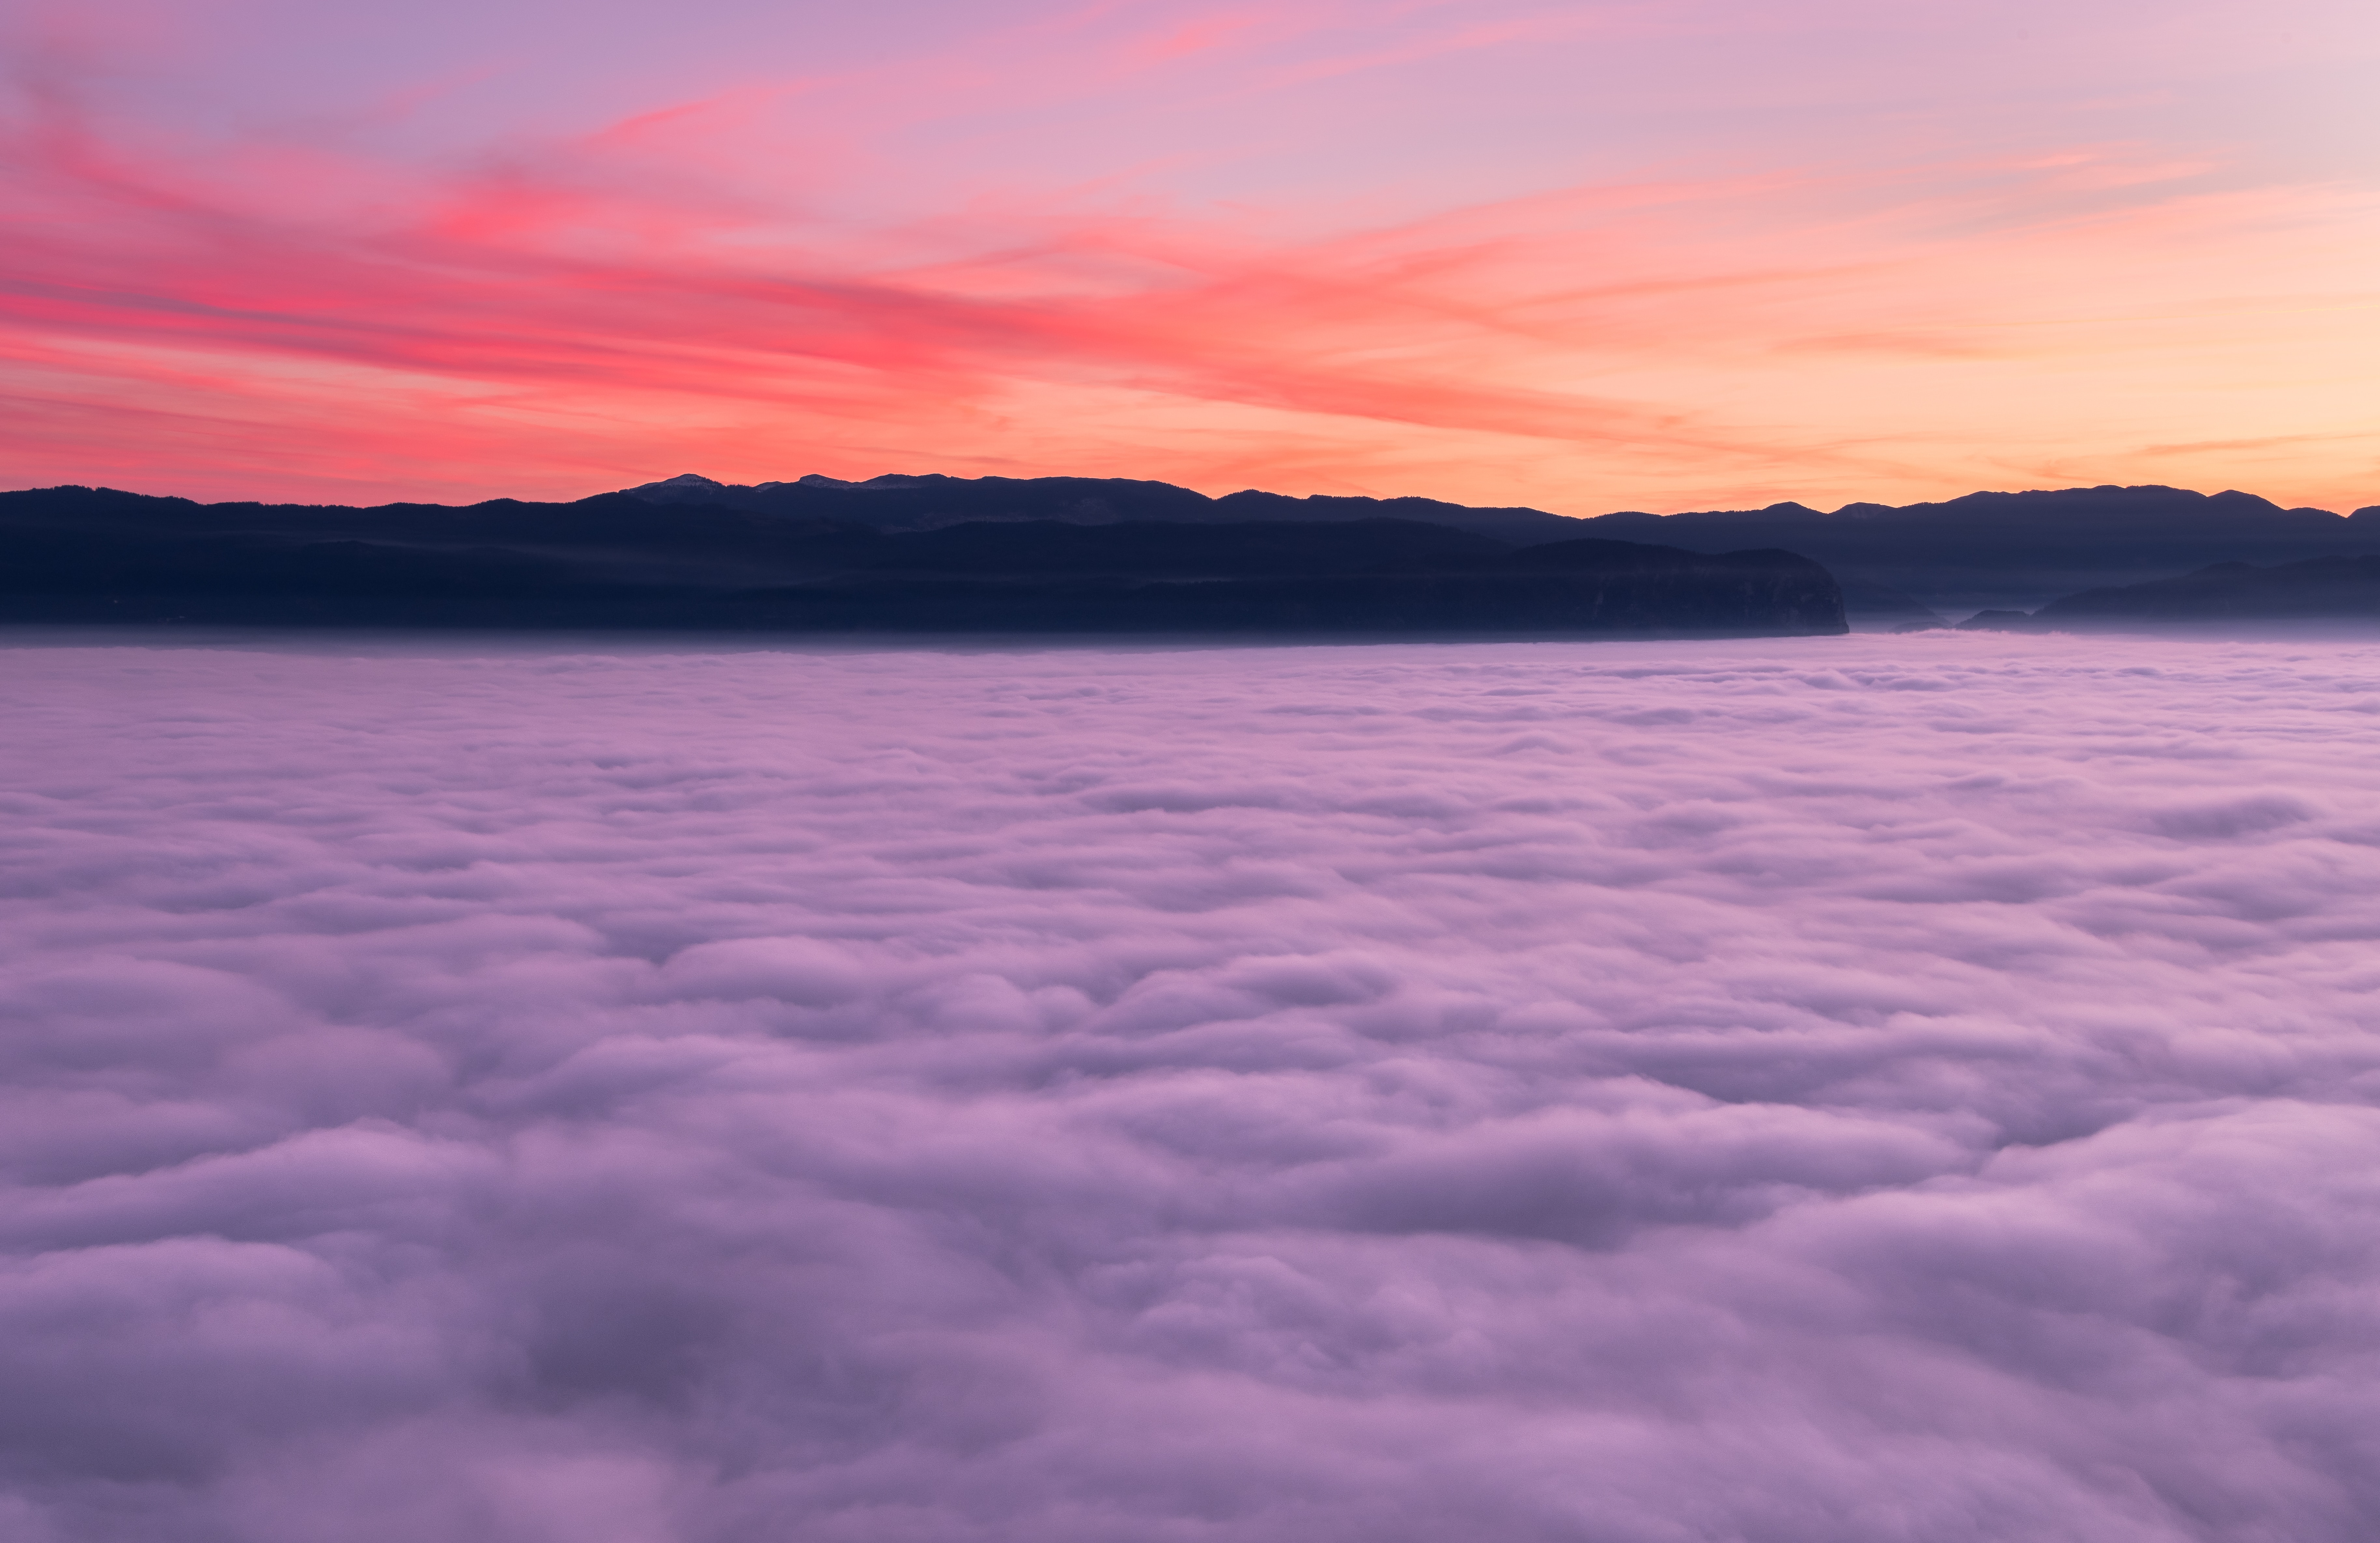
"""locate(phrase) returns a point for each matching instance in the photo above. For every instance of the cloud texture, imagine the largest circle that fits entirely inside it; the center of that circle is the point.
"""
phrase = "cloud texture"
(1833, 1091)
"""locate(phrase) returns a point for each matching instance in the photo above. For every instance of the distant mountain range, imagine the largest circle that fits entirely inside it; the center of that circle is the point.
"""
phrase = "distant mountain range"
(1074, 555)
(82, 556)
(1915, 562)
(2319, 590)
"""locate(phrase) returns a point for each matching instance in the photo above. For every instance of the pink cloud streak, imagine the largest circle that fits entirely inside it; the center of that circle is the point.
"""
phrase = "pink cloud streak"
(705, 285)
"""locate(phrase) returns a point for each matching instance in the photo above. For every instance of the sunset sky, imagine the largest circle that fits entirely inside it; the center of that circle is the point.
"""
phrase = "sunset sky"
(1581, 256)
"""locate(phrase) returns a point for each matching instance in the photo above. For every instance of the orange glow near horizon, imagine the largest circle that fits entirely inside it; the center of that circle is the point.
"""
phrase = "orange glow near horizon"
(719, 286)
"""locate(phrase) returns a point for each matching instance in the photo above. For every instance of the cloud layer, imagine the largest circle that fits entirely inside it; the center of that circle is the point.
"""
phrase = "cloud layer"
(1836, 1092)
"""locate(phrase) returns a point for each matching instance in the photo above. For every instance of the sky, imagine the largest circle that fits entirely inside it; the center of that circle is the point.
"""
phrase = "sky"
(1835, 1090)
(1711, 253)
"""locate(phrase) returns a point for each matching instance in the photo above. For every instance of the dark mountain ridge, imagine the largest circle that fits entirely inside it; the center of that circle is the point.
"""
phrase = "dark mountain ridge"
(689, 537)
(903, 502)
(2318, 590)
(2021, 549)
(81, 554)
(1897, 564)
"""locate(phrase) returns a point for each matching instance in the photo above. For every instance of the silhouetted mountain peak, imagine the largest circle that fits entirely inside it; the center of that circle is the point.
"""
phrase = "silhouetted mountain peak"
(873, 484)
(2232, 498)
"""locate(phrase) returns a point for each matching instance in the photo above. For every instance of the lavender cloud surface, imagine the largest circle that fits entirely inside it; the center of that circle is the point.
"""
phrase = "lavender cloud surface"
(1848, 1089)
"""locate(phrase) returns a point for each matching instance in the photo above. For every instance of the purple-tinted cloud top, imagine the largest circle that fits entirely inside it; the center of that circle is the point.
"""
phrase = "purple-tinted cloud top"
(1855, 1092)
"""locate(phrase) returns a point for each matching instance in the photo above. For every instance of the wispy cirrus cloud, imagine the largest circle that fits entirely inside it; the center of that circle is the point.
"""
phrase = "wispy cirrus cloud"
(723, 282)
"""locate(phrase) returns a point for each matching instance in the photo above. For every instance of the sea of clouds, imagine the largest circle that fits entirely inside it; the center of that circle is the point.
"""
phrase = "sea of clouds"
(1844, 1090)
